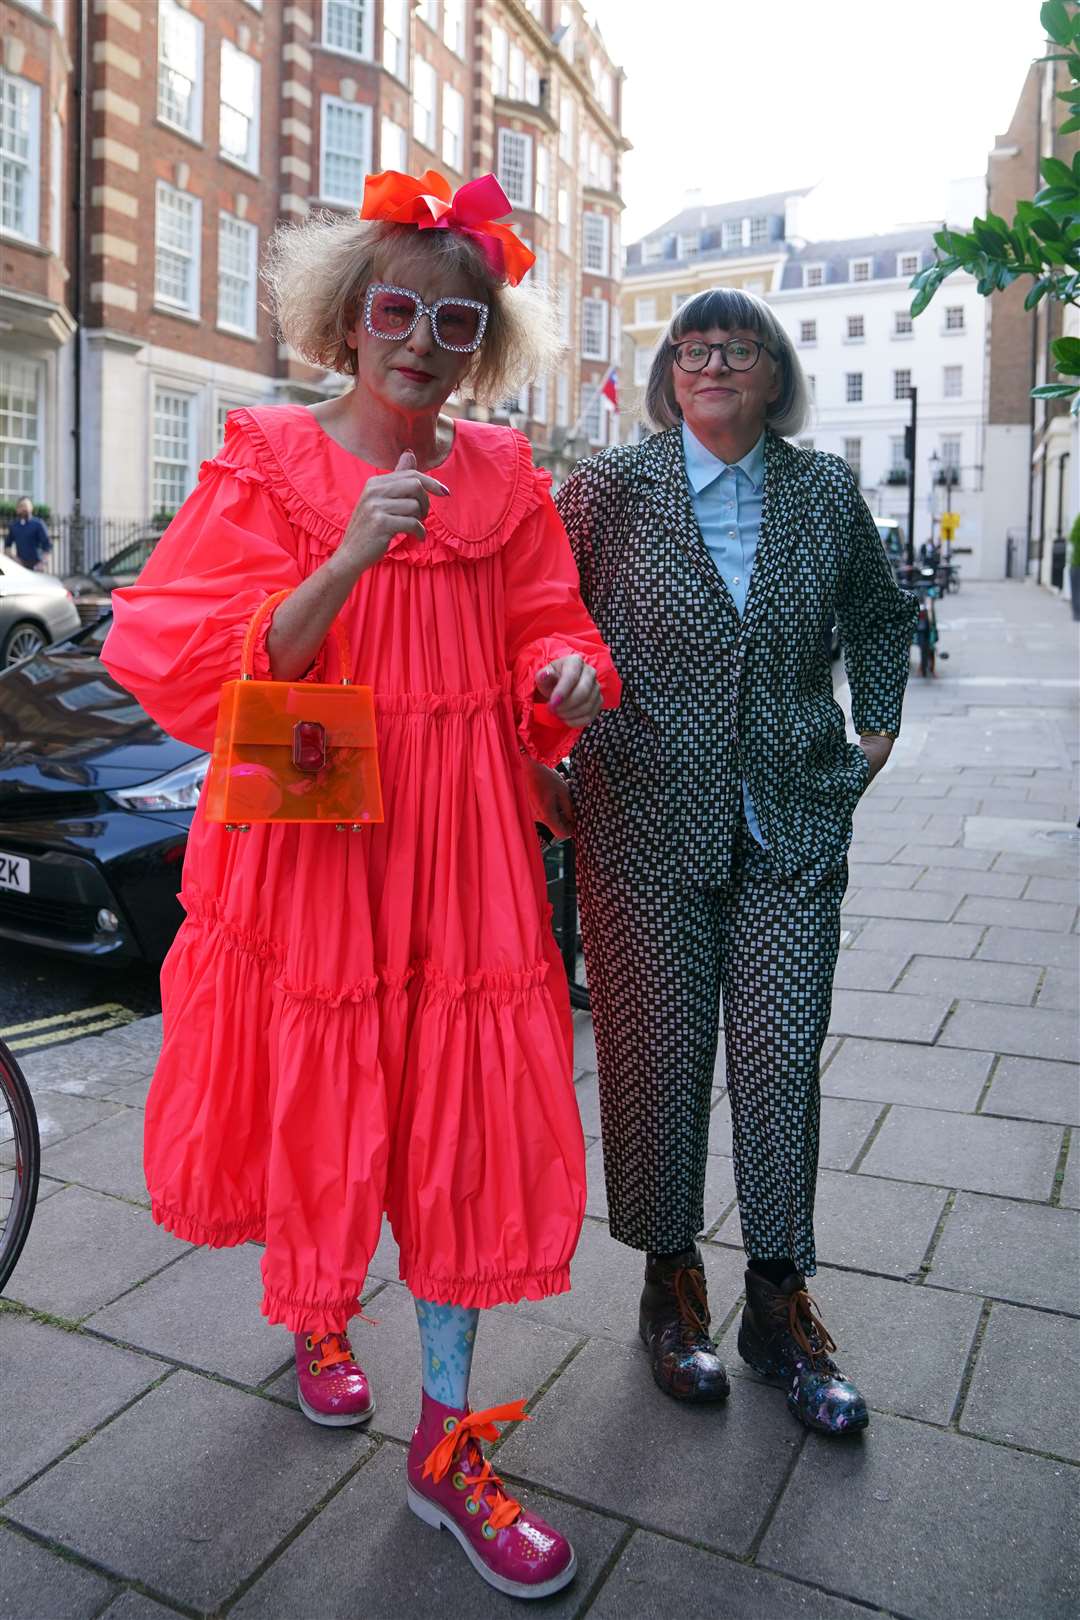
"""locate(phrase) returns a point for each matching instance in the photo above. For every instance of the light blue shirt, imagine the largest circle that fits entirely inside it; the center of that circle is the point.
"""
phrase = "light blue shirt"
(727, 504)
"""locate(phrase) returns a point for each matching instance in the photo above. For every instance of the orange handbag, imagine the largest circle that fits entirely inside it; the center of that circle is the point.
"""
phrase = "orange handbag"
(294, 751)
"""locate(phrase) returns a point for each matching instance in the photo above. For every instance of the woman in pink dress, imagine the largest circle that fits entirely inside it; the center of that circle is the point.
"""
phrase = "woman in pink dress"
(370, 1022)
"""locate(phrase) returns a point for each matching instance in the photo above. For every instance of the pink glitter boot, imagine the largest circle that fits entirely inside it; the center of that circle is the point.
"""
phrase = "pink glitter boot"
(331, 1388)
(454, 1487)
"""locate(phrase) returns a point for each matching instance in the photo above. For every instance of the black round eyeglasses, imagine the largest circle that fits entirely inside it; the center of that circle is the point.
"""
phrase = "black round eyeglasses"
(738, 354)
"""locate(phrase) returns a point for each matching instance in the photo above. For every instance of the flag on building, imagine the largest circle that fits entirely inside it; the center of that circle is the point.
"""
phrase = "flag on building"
(609, 388)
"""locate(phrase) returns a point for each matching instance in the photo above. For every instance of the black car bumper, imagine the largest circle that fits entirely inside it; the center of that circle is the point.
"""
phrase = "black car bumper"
(114, 861)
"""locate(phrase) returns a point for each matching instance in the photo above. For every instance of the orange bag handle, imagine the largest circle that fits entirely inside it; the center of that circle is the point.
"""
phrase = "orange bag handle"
(247, 656)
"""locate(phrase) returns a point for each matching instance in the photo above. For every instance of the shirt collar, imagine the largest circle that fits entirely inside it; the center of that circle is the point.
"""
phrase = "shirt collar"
(702, 467)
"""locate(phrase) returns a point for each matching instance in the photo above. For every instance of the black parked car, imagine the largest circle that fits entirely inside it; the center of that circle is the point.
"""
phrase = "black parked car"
(95, 806)
(92, 591)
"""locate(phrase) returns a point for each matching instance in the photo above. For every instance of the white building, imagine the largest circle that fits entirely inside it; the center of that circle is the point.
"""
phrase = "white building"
(846, 307)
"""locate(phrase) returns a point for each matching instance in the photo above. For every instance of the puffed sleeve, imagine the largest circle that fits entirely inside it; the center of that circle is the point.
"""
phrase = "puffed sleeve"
(876, 621)
(177, 634)
(546, 619)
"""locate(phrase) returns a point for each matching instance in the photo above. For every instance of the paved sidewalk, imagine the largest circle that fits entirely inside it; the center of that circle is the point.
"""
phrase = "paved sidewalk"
(153, 1459)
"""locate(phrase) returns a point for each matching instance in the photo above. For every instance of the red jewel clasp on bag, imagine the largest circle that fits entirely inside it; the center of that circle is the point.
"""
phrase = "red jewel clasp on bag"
(309, 746)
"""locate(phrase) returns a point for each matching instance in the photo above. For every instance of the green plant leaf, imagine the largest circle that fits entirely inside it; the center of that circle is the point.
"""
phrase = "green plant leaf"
(1036, 292)
(1046, 226)
(1055, 19)
(1056, 173)
(1055, 391)
(1066, 352)
(1070, 126)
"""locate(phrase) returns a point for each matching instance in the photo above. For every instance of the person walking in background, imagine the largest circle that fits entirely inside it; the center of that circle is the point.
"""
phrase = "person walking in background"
(712, 816)
(380, 1021)
(27, 536)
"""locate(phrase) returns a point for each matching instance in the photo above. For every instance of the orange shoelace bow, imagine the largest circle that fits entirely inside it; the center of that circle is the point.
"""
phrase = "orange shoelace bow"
(693, 1302)
(466, 1434)
(807, 1328)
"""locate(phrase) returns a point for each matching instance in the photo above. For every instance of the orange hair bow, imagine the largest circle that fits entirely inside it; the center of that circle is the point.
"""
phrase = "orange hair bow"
(429, 204)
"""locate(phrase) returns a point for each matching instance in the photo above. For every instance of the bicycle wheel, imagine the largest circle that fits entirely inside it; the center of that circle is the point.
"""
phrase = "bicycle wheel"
(20, 1162)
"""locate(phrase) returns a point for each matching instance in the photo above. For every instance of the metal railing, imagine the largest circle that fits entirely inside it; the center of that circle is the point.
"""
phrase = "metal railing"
(80, 542)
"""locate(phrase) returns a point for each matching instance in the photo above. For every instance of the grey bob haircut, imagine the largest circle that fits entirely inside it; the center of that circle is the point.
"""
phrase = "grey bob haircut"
(729, 310)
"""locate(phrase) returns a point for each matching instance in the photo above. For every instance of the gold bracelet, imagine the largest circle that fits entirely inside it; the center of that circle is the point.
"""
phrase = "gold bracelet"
(890, 734)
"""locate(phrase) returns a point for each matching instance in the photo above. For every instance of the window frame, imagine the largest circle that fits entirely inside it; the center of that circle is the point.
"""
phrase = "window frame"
(588, 304)
(901, 391)
(811, 270)
(366, 11)
(255, 134)
(367, 119)
(453, 17)
(424, 73)
(854, 461)
(956, 374)
(450, 95)
(949, 325)
(909, 254)
(603, 268)
(641, 318)
(396, 160)
(855, 336)
(161, 389)
(33, 484)
(169, 306)
(853, 388)
(524, 199)
(866, 260)
(170, 8)
(808, 338)
(251, 231)
(899, 331)
(400, 71)
(31, 164)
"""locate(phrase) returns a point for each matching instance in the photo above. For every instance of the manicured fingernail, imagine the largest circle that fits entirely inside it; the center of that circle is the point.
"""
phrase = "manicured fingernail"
(443, 489)
(555, 701)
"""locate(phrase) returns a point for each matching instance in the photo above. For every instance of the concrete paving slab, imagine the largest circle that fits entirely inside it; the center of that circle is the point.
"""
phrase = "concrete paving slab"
(919, 938)
(931, 1525)
(906, 1347)
(136, 1606)
(1069, 1191)
(844, 1126)
(1030, 945)
(46, 1187)
(1001, 885)
(40, 1585)
(43, 1413)
(655, 1579)
(930, 905)
(610, 1437)
(887, 1017)
(1011, 982)
(1023, 1253)
(875, 851)
(1035, 914)
(204, 1312)
(133, 1093)
(946, 860)
(60, 1115)
(587, 1090)
(1038, 1032)
(868, 875)
(367, 1553)
(515, 1357)
(894, 1072)
(234, 1460)
(1027, 1088)
(1055, 890)
(868, 970)
(1023, 1392)
(867, 1224)
(107, 1157)
(85, 1249)
(1013, 1158)
(1058, 991)
(83, 1069)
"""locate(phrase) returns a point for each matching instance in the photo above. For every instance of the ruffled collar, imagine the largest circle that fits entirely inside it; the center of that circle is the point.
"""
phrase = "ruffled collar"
(493, 483)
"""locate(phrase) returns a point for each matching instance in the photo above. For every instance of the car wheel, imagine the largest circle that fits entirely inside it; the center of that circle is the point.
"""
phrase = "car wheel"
(23, 640)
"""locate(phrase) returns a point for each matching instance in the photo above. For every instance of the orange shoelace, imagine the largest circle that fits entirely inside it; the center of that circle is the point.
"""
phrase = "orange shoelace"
(340, 1350)
(807, 1328)
(693, 1302)
(465, 1437)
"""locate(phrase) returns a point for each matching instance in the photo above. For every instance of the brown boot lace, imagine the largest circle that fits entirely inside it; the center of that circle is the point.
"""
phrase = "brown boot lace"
(692, 1299)
(807, 1329)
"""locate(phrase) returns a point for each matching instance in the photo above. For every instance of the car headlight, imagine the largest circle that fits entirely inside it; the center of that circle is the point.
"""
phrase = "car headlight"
(178, 790)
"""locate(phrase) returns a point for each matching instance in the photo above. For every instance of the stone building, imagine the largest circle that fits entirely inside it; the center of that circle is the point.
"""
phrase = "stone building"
(131, 236)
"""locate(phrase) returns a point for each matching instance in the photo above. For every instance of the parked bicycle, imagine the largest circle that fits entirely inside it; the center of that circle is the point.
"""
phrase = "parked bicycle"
(20, 1162)
(923, 579)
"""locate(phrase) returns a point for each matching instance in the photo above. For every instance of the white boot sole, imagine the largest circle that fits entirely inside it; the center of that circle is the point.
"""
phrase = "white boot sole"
(434, 1515)
(328, 1421)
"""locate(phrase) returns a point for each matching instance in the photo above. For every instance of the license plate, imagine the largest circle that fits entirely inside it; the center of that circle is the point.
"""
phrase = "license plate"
(14, 873)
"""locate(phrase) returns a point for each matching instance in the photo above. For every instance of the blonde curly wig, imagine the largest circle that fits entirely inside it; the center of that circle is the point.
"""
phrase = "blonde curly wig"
(317, 273)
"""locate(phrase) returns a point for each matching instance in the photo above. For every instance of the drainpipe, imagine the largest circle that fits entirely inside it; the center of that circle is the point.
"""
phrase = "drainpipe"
(81, 87)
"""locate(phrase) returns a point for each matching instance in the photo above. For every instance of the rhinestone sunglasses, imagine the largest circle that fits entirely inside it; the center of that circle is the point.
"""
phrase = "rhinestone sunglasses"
(394, 313)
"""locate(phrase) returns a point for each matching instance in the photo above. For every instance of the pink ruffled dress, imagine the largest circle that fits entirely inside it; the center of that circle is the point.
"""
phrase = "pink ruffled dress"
(374, 1021)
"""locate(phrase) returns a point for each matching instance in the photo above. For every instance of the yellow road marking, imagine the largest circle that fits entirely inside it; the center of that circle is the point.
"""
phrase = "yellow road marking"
(53, 1036)
(113, 1008)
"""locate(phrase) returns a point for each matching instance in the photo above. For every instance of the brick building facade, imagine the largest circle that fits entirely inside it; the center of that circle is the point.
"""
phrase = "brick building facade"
(149, 147)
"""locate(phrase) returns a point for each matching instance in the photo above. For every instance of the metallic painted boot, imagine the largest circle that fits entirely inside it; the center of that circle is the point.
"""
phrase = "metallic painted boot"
(452, 1486)
(331, 1388)
(782, 1337)
(674, 1324)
